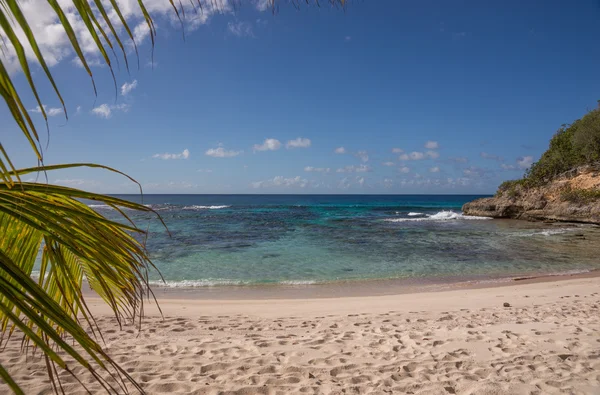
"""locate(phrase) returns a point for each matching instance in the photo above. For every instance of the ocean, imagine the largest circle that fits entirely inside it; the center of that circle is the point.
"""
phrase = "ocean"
(219, 240)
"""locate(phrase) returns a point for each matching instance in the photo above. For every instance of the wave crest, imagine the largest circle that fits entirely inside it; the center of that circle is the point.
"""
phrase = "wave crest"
(439, 216)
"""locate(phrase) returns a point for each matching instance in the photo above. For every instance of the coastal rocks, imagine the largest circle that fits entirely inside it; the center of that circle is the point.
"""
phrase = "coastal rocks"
(546, 203)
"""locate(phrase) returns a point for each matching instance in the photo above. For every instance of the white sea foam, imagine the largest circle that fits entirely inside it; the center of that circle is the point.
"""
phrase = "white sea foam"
(194, 207)
(548, 232)
(299, 282)
(414, 214)
(198, 283)
(440, 216)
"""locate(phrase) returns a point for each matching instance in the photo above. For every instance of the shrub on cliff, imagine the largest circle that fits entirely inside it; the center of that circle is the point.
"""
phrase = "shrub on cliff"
(572, 146)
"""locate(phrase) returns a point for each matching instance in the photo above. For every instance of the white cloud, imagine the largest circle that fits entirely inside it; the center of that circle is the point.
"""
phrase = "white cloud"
(389, 164)
(432, 154)
(105, 110)
(432, 145)
(360, 181)
(354, 169)
(525, 162)
(240, 29)
(263, 5)
(404, 169)
(70, 181)
(435, 169)
(268, 145)
(474, 171)
(340, 150)
(204, 170)
(412, 156)
(128, 87)
(166, 156)
(508, 167)
(221, 152)
(485, 155)
(282, 182)
(317, 169)
(298, 143)
(458, 159)
(397, 150)
(54, 42)
(348, 38)
(363, 156)
(388, 183)
(50, 111)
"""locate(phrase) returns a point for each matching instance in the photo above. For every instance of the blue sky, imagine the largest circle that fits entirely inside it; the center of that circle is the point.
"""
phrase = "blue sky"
(424, 97)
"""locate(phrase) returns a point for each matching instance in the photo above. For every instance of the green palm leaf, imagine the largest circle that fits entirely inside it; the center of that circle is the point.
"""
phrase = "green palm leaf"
(49, 225)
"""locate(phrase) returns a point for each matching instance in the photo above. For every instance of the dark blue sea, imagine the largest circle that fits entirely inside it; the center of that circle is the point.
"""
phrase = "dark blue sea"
(306, 239)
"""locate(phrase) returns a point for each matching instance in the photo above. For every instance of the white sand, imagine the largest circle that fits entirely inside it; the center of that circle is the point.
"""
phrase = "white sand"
(461, 341)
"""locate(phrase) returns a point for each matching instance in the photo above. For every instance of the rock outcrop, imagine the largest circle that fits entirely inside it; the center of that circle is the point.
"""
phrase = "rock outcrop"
(573, 196)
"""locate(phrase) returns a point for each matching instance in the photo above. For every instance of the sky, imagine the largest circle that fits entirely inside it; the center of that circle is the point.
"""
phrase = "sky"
(384, 97)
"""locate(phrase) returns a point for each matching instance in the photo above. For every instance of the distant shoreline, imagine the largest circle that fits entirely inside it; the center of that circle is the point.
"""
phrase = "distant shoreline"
(354, 288)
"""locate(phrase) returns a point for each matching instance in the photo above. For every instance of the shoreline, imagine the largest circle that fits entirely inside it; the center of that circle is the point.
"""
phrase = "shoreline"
(358, 288)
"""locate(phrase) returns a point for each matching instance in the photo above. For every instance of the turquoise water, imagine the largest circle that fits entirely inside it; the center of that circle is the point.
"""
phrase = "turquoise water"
(269, 239)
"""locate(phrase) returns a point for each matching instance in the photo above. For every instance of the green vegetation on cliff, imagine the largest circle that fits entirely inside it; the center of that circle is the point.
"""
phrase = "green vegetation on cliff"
(572, 146)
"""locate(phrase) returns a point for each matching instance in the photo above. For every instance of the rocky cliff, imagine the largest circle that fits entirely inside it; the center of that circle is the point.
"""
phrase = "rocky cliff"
(574, 196)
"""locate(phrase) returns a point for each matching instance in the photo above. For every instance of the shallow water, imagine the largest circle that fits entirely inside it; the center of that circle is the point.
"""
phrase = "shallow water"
(274, 239)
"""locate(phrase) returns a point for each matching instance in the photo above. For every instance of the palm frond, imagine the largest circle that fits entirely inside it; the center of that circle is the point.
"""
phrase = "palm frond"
(47, 227)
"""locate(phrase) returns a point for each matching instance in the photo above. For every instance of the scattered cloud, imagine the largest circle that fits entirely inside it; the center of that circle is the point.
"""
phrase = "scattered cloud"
(103, 111)
(485, 155)
(70, 181)
(128, 87)
(363, 156)
(360, 181)
(432, 145)
(389, 164)
(432, 154)
(459, 35)
(525, 162)
(412, 156)
(317, 169)
(354, 169)
(298, 143)
(435, 169)
(521, 163)
(263, 5)
(281, 181)
(240, 29)
(56, 47)
(204, 170)
(221, 152)
(77, 110)
(340, 150)
(50, 111)
(474, 171)
(106, 111)
(185, 154)
(459, 159)
(397, 150)
(268, 145)
(508, 167)
(404, 169)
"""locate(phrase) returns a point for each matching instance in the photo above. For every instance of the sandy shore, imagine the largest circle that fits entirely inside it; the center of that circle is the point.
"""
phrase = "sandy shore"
(460, 341)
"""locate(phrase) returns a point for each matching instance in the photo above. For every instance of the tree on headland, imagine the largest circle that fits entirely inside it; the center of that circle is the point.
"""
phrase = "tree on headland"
(49, 224)
(573, 145)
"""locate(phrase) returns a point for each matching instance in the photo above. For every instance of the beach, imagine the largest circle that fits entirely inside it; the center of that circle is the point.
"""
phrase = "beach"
(518, 338)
